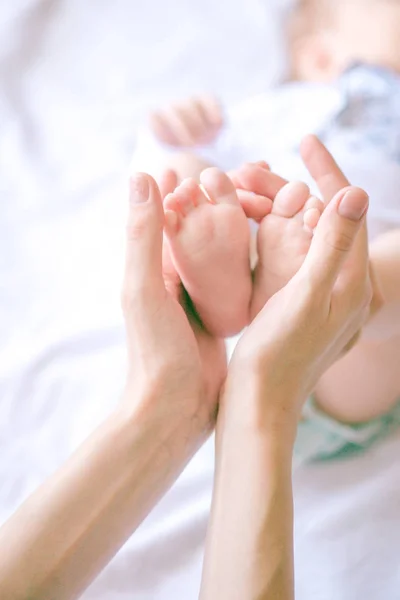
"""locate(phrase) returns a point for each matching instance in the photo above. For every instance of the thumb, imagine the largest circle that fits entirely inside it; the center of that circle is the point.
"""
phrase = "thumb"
(143, 263)
(335, 236)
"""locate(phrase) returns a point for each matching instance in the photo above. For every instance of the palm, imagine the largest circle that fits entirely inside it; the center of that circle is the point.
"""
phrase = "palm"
(203, 355)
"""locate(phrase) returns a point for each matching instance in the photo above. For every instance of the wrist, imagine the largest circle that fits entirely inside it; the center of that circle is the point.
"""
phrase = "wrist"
(252, 502)
(251, 406)
(162, 413)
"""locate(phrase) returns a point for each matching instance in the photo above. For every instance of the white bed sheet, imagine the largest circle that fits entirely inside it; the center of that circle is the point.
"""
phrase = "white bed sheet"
(75, 80)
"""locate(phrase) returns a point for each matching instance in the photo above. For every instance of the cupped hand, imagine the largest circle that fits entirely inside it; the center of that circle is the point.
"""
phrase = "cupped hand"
(172, 360)
(257, 187)
(306, 326)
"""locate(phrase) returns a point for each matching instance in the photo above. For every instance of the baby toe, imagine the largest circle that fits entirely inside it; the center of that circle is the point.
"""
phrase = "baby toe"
(291, 199)
(219, 187)
(314, 202)
(186, 196)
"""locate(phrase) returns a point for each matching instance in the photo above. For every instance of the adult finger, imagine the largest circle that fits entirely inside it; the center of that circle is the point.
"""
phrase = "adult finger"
(258, 179)
(331, 180)
(144, 233)
(255, 207)
(335, 236)
(322, 168)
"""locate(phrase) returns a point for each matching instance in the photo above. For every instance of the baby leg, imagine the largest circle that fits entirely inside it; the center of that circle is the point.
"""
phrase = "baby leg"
(366, 383)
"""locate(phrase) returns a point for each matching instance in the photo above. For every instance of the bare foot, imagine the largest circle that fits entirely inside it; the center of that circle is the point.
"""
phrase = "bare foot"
(209, 238)
(285, 235)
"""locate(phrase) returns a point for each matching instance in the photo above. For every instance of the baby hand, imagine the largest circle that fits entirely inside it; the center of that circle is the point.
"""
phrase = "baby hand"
(193, 122)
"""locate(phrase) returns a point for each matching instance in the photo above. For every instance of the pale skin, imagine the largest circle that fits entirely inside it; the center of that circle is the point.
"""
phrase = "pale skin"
(63, 535)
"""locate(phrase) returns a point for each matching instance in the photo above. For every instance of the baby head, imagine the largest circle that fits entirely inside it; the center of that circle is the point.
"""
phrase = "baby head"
(327, 36)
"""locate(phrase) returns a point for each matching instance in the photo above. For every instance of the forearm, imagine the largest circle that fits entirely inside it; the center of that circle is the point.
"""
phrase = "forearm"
(64, 534)
(249, 552)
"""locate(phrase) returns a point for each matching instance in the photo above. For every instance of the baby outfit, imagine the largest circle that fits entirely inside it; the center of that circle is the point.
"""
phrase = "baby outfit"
(358, 119)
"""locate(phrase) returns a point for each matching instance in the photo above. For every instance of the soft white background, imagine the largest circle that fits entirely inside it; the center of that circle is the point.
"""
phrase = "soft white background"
(76, 79)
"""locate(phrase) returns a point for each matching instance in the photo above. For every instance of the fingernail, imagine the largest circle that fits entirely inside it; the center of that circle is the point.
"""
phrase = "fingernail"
(354, 205)
(139, 189)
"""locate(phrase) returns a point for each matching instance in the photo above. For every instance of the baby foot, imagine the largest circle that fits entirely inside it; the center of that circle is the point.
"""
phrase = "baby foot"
(284, 235)
(283, 241)
(209, 238)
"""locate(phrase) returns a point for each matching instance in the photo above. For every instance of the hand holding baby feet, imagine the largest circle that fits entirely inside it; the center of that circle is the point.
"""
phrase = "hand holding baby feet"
(285, 232)
(209, 237)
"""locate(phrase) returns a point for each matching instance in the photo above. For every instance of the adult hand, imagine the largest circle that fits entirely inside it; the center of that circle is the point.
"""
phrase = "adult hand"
(171, 357)
(276, 364)
(257, 188)
(59, 540)
(305, 327)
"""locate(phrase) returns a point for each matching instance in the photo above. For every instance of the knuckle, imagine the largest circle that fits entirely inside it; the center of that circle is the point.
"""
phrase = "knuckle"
(339, 241)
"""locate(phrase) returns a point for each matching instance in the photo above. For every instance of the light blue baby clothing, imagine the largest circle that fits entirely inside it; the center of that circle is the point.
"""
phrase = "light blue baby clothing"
(319, 437)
